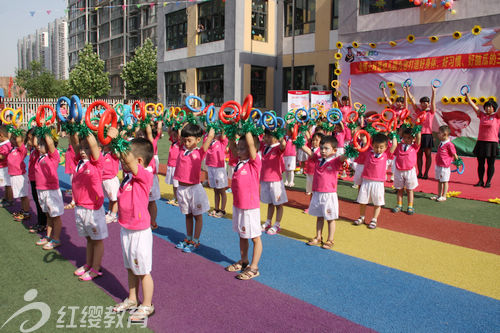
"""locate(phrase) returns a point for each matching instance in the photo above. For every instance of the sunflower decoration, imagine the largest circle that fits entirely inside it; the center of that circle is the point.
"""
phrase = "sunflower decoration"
(393, 91)
(410, 38)
(457, 35)
(433, 39)
(338, 71)
(380, 100)
(453, 100)
(393, 99)
(393, 43)
(476, 30)
(339, 45)
(338, 56)
(460, 100)
(445, 100)
(474, 100)
(355, 45)
(493, 98)
(390, 84)
(373, 45)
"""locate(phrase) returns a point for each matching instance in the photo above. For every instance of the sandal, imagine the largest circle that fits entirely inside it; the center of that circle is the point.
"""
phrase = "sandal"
(71, 205)
(88, 276)
(43, 241)
(212, 213)
(81, 270)
(359, 221)
(220, 214)
(314, 241)
(236, 267)
(142, 313)
(397, 209)
(373, 224)
(248, 274)
(154, 226)
(52, 244)
(327, 245)
(410, 211)
(127, 304)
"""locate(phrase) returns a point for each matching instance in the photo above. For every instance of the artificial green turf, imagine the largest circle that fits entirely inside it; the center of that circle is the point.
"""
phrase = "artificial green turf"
(26, 266)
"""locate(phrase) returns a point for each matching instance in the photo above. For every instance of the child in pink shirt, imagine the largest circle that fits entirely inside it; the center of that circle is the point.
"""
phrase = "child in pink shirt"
(272, 189)
(110, 182)
(310, 165)
(136, 235)
(89, 197)
(217, 175)
(173, 153)
(18, 178)
(374, 171)
(48, 191)
(405, 176)
(153, 166)
(446, 153)
(5, 147)
(486, 148)
(41, 225)
(289, 158)
(246, 206)
(193, 200)
(324, 202)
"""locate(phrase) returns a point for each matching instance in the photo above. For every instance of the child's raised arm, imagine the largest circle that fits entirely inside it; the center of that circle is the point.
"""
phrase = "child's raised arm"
(126, 157)
(252, 151)
(394, 145)
(94, 147)
(349, 95)
(74, 141)
(51, 147)
(410, 97)
(387, 99)
(149, 134)
(208, 141)
(433, 99)
(472, 104)
(307, 150)
(282, 144)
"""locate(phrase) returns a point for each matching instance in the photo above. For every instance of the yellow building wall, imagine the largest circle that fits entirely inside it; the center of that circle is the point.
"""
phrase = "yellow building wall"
(255, 46)
(192, 24)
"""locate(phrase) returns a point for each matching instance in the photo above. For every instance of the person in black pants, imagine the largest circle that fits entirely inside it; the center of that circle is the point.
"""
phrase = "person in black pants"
(34, 155)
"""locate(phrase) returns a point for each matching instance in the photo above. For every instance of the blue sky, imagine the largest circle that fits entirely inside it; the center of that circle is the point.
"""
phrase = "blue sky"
(17, 23)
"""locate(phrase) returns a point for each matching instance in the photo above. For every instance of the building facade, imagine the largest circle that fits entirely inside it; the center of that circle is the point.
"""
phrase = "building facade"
(225, 50)
(34, 47)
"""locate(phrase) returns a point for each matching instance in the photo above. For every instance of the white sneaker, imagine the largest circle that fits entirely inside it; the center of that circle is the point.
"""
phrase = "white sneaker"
(266, 226)
(110, 218)
(274, 229)
(291, 184)
(441, 199)
(286, 184)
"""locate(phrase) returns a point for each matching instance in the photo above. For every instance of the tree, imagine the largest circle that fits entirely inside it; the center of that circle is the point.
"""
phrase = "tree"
(140, 72)
(39, 82)
(88, 79)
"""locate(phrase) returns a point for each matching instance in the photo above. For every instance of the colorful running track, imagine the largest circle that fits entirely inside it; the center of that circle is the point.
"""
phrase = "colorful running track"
(413, 273)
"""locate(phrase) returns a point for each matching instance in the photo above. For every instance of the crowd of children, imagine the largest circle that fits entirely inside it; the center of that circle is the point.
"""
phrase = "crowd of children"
(259, 167)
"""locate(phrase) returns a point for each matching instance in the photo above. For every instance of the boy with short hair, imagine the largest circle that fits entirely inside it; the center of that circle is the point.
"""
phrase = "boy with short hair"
(110, 182)
(372, 186)
(446, 153)
(5, 147)
(324, 202)
(217, 175)
(136, 234)
(193, 200)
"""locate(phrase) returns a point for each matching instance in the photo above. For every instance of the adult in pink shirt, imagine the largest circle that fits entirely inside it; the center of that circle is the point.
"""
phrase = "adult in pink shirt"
(427, 107)
(486, 148)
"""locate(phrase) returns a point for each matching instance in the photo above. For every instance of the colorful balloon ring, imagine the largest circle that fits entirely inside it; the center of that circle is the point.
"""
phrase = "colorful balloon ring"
(334, 116)
(61, 117)
(465, 89)
(88, 114)
(40, 114)
(272, 121)
(356, 141)
(17, 114)
(108, 118)
(246, 107)
(298, 118)
(2, 116)
(436, 83)
(142, 110)
(78, 113)
(211, 115)
(192, 109)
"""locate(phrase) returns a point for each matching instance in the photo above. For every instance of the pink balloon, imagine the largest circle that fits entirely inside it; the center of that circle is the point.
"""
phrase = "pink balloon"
(416, 2)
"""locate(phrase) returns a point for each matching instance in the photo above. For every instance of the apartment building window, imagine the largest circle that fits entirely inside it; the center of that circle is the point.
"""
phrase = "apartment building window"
(104, 31)
(149, 15)
(176, 30)
(305, 17)
(303, 77)
(335, 15)
(104, 50)
(258, 85)
(116, 46)
(259, 20)
(116, 11)
(373, 6)
(175, 87)
(116, 27)
(211, 21)
(103, 15)
(211, 84)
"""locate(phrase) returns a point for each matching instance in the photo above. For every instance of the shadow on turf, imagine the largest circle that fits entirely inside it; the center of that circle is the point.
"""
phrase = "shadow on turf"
(205, 251)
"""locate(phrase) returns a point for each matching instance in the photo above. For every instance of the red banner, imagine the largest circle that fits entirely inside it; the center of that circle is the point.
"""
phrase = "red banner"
(470, 60)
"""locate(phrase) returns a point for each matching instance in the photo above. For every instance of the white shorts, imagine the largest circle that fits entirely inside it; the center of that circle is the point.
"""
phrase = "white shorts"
(169, 177)
(111, 187)
(230, 171)
(371, 190)
(290, 163)
(405, 178)
(324, 205)
(442, 174)
(20, 186)
(339, 152)
(358, 171)
(246, 222)
(51, 202)
(217, 177)
(309, 183)
(301, 155)
(192, 199)
(273, 193)
(4, 177)
(155, 193)
(91, 223)
(137, 249)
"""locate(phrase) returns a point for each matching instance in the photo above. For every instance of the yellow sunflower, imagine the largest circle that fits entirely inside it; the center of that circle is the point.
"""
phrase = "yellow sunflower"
(457, 35)
(393, 43)
(445, 100)
(390, 84)
(373, 45)
(410, 38)
(339, 45)
(355, 45)
(338, 71)
(338, 55)
(433, 39)
(476, 30)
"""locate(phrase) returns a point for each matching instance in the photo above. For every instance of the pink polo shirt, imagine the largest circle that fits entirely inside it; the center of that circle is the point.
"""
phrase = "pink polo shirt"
(272, 163)
(375, 167)
(188, 166)
(15, 160)
(69, 164)
(5, 148)
(34, 155)
(488, 127)
(310, 164)
(87, 183)
(345, 111)
(340, 136)
(216, 153)
(133, 200)
(155, 144)
(233, 160)
(173, 153)
(445, 154)
(46, 171)
(406, 160)
(245, 184)
(110, 165)
(427, 124)
(290, 149)
(326, 175)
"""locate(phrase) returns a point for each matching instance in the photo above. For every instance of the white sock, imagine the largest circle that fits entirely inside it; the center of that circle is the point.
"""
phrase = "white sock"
(112, 214)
